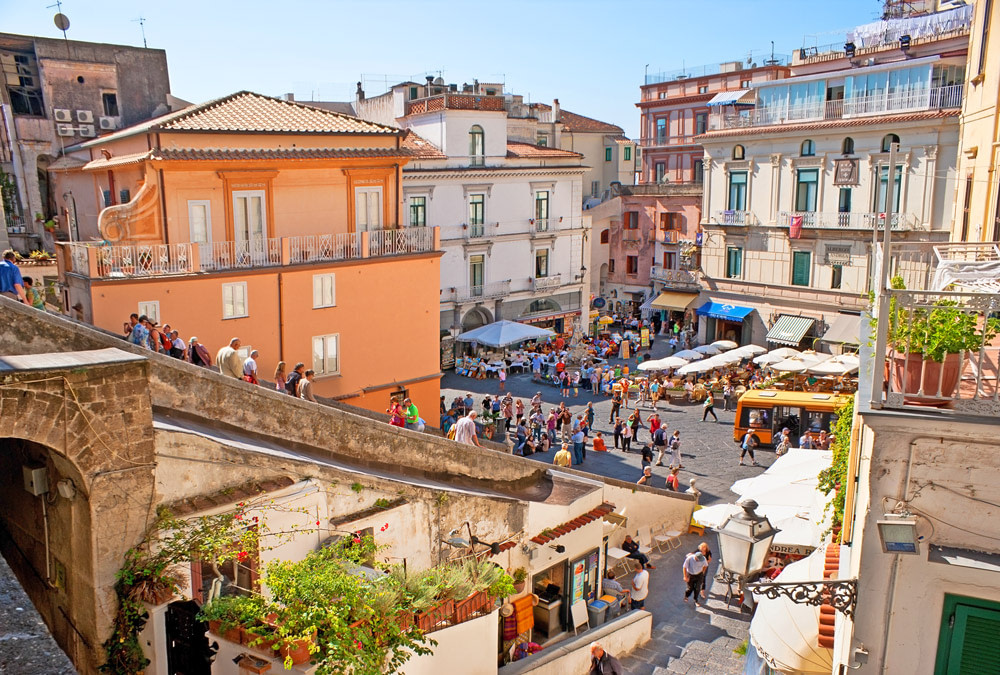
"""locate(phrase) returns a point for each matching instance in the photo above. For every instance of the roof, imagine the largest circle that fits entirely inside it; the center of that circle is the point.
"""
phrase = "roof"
(119, 160)
(831, 124)
(419, 146)
(559, 530)
(623, 140)
(342, 107)
(516, 149)
(228, 496)
(574, 122)
(244, 154)
(247, 112)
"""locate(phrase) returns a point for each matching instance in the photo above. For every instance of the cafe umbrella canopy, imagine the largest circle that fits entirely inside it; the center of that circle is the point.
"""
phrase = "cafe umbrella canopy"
(504, 333)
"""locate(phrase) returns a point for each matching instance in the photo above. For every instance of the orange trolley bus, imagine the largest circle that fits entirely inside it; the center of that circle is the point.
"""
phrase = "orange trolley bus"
(766, 412)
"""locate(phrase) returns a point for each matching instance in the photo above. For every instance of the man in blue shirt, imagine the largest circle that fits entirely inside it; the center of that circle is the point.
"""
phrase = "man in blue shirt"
(11, 283)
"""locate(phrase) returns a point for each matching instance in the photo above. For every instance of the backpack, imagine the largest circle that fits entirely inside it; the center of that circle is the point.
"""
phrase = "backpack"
(659, 438)
(291, 384)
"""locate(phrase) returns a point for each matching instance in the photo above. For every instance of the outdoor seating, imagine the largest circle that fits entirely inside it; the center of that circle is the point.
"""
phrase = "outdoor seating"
(617, 557)
(645, 539)
(667, 540)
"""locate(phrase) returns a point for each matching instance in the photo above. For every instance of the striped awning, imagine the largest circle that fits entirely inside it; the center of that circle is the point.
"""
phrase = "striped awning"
(738, 97)
(789, 330)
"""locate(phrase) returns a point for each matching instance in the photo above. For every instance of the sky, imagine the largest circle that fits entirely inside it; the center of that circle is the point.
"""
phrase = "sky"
(590, 55)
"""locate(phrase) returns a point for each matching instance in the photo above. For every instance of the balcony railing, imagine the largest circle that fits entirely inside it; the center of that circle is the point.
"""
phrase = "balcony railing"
(735, 218)
(543, 224)
(454, 101)
(826, 220)
(143, 260)
(667, 141)
(858, 106)
(546, 283)
(490, 291)
(672, 278)
(324, 247)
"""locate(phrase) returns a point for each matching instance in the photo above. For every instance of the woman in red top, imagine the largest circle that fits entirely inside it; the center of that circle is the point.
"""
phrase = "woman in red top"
(396, 415)
(673, 483)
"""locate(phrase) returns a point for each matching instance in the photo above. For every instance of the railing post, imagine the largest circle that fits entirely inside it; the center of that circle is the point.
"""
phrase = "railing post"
(366, 244)
(437, 239)
(286, 251)
(93, 270)
(194, 257)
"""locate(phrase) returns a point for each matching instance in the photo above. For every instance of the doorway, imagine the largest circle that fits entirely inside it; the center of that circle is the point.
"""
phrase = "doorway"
(188, 651)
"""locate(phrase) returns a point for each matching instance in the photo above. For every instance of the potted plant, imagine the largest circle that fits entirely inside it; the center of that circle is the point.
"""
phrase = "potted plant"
(519, 576)
(227, 615)
(926, 345)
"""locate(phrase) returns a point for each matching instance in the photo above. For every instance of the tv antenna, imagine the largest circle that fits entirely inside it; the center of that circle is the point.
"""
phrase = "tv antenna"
(60, 19)
(142, 26)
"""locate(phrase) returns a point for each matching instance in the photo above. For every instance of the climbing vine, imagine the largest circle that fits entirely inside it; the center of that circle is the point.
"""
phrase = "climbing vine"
(834, 478)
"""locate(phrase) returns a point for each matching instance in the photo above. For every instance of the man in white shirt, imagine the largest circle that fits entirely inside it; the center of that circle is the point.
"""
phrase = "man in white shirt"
(250, 367)
(640, 586)
(695, 565)
(229, 361)
(465, 429)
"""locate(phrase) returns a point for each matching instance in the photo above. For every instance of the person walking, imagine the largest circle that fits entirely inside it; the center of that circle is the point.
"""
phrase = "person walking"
(727, 395)
(647, 476)
(507, 411)
(660, 443)
(747, 445)
(673, 482)
(694, 567)
(397, 416)
(618, 429)
(640, 586)
(502, 377)
(11, 281)
(306, 386)
(708, 407)
(654, 393)
(465, 430)
(591, 414)
(411, 416)
(675, 450)
(279, 376)
(292, 381)
(635, 421)
(519, 410)
(784, 444)
(616, 406)
(34, 296)
(250, 368)
(626, 438)
(565, 422)
(228, 360)
(602, 663)
(551, 423)
(646, 454)
(197, 354)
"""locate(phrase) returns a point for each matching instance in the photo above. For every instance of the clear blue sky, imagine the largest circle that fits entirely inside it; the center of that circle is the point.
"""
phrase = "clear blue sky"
(590, 55)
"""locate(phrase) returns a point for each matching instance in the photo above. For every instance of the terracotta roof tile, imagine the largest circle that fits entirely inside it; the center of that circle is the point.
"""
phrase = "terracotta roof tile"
(120, 160)
(271, 153)
(574, 122)
(232, 495)
(827, 614)
(420, 147)
(831, 124)
(518, 150)
(576, 523)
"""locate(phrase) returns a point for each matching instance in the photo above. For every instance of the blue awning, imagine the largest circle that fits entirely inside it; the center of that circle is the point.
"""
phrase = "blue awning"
(738, 97)
(720, 310)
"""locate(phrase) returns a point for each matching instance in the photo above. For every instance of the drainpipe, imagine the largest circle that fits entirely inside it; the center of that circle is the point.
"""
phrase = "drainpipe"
(281, 319)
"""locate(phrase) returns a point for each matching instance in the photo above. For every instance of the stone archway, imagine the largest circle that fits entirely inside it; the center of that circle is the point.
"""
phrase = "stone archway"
(476, 317)
(89, 424)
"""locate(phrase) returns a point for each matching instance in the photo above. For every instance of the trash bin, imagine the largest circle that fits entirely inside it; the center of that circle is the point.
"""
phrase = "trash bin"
(614, 607)
(595, 612)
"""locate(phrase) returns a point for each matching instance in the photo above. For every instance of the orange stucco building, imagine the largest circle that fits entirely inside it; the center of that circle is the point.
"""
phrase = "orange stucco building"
(270, 221)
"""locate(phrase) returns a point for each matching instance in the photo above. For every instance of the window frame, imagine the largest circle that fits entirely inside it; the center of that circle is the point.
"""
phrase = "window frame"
(887, 142)
(836, 277)
(418, 208)
(542, 205)
(207, 204)
(946, 637)
(323, 372)
(541, 263)
(631, 220)
(322, 290)
(739, 152)
(369, 190)
(151, 308)
(232, 285)
(847, 146)
(659, 172)
(627, 153)
(807, 148)
(734, 262)
(700, 123)
(796, 270)
(743, 193)
(250, 236)
(110, 105)
(882, 187)
(477, 209)
(477, 141)
(607, 154)
(632, 265)
(806, 191)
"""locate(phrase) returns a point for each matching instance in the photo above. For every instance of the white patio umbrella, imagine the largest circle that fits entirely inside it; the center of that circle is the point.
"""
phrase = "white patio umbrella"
(838, 365)
(725, 344)
(776, 355)
(689, 355)
(749, 350)
(727, 358)
(715, 515)
(697, 367)
(504, 333)
(797, 364)
(663, 364)
(711, 350)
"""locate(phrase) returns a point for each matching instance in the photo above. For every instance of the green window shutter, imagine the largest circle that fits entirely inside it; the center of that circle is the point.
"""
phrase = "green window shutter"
(974, 645)
(801, 262)
(607, 154)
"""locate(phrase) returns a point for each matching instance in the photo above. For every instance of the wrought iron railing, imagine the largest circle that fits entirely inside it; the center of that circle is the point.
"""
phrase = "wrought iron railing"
(492, 290)
(324, 247)
(397, 242)
(138, 260)
(735, 218)
(829, 220)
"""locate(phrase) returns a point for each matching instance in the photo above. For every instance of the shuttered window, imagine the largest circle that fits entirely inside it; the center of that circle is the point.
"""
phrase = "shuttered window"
(801, 264)
(968, 640)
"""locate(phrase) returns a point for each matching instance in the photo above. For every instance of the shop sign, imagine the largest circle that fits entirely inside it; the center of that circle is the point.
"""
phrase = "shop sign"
(792, 549)
(599, 303)
(644, 337)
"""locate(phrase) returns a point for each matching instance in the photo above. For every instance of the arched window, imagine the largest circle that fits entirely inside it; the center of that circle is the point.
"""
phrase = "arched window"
(808, 148)
(848, 147)
(543, 305)
(888, 140)
(604, 236)
(738, 152)
(477, 145)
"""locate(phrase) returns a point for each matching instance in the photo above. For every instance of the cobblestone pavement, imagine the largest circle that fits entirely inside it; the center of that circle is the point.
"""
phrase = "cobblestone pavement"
(26, 646)
(685, 639)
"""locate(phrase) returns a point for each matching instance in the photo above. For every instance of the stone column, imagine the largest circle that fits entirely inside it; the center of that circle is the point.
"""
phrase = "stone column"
(775, 207)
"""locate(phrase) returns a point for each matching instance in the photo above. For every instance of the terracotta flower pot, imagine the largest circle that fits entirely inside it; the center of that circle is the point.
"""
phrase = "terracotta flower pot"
(297, 650)
(233, 634)
(912, 373)
(432, 617)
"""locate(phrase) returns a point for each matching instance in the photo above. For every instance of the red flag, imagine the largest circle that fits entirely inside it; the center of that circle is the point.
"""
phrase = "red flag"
(795, 227)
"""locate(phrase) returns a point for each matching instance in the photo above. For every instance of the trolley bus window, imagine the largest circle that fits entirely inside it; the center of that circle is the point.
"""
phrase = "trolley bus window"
(818, 421)
(786, 417)
(755, 418)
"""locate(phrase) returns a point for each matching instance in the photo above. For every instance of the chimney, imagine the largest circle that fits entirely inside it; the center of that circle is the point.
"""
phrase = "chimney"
(475, 86)
(360, 94)
(289, 97)
(556, 126)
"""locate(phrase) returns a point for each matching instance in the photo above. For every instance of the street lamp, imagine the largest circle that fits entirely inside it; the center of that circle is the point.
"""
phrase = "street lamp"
(744, 541)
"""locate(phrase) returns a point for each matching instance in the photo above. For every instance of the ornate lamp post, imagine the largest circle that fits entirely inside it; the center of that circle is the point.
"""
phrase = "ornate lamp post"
(744, 541)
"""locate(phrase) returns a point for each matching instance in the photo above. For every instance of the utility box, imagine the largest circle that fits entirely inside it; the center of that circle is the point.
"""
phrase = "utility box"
(36, 479)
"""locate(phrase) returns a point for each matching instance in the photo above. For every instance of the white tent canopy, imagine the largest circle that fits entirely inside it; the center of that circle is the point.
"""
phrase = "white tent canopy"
(504, 333)
(798, 363)
(711, 350)
(689, 354)
(663, 364)
(838, 365)
(725, 344)
(748, 350)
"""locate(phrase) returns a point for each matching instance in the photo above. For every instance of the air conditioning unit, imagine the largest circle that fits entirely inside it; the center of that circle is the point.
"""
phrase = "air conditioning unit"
(65, 129)
(85, 116)
(87, 130)
(62, 115)
(110, 123)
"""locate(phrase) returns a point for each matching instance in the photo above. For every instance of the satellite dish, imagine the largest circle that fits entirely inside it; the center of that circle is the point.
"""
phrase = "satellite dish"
(61, 21)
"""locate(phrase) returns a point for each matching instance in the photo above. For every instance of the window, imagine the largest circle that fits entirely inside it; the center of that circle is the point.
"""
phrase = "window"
(234, 300)
(888, 140)
(542, 263)
(418, 211)
(883, 186)
(607, 154)
(595, 188)
(627, 150)
(124, 196)
(326, 354)
(734, 262)
(477, 214)
(631, 264)
(106, 195)
(838, 276)
(983, 38)
(844, 207)
(671, 221)
(477, 265)
(737, 191)
(413, 93)
(477, 146)
(324, 290)
(848, 146)
(23, 85)
(541, 207)
(966, 642)
(699, 169)
(200, 220)
(801, 267)
(700, 123)
(661, 131)
(542, 140)
(611, 265)
(744, 84)
(661, 170)
(806, 187)
(703, 89)
(110, 101)
(151, 308)
(669, 260)
(738, 152)
(605, 236)
(808, 148)
(631, 220)
(367, 209)
(248, 215)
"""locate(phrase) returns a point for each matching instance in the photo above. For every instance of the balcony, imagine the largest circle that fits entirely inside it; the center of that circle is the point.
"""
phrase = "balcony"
(668, 236)
(490, 291)
(546, 283)
(826, 220)
(665, 189)
(541, 227)
(666, 141)
(918, 100)
(680, 280)
(454, 101)
(121, 261)
(951, 294)
(741, 218)
(710, 69)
